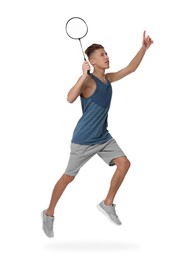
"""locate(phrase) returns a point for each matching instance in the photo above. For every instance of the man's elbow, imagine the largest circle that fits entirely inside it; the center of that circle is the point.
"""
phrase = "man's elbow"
(70, 99)
(131, 69)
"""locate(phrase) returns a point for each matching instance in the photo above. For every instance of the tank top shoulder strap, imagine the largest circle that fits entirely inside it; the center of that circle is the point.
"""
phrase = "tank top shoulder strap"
(93, 77)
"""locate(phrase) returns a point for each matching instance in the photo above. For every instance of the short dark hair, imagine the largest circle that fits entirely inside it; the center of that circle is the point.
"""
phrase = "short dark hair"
(93, 48)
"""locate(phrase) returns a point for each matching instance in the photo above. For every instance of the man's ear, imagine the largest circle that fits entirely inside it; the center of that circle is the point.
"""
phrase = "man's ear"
(92, 61)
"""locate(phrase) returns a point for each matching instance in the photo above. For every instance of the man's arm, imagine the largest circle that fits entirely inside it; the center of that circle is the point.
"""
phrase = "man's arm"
(133, 65)
(77, 89)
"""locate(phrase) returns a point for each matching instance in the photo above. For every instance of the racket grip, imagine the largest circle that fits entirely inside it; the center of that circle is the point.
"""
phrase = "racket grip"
(88, 72)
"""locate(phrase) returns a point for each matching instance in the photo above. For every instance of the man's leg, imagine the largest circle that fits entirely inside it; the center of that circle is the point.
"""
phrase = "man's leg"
(57, 192)
(48, 214)
(107, 207)
(123, 164)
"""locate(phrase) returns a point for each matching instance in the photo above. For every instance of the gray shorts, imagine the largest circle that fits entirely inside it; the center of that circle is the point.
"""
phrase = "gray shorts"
(80, 154)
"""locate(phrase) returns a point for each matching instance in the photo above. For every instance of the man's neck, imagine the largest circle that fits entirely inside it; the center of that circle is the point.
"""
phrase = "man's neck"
(99, 74)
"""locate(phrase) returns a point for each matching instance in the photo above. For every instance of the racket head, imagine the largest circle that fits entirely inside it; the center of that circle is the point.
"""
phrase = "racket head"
(76, 28)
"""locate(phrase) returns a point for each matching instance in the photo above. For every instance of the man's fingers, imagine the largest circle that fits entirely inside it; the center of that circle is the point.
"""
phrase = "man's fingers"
(144, 34)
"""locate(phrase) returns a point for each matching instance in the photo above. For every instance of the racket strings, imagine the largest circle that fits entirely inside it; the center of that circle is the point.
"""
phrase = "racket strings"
(76, 28)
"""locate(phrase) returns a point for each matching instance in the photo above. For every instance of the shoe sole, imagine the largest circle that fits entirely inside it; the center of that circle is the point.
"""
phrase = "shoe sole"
(104, 212)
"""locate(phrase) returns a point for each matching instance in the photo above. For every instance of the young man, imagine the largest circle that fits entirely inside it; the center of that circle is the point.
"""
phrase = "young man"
(91, 136)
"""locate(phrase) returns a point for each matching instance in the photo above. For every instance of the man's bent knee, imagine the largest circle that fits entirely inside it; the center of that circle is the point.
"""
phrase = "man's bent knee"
(122, 163)
(68, 178)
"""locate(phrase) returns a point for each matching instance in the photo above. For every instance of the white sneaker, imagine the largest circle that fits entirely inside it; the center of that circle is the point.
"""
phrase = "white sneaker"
(47, 224)
(110, 212)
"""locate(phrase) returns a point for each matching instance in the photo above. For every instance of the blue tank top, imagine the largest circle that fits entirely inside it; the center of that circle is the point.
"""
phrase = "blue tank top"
(92, 126)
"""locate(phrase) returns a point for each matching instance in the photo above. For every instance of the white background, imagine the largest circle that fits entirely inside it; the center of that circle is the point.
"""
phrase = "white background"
(38, 65)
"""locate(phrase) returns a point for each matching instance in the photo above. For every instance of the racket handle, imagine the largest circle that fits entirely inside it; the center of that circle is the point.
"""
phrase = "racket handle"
(88, 72)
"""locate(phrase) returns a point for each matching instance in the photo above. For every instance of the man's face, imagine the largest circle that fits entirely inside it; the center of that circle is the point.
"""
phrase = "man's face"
(100, 59)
